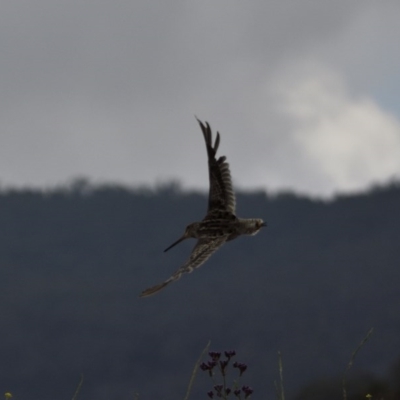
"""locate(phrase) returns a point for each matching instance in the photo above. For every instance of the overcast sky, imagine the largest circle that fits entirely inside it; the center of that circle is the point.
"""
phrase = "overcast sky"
(305, 94)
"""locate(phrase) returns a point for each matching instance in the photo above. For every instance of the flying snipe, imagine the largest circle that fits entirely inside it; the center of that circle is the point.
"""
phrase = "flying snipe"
(220, 223)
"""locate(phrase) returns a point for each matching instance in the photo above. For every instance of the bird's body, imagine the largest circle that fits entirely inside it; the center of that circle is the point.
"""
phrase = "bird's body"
(220, 223)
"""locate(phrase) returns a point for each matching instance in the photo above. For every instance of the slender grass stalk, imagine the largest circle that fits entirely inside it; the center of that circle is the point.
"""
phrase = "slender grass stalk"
(75, 396)
(224, 383)
(280, 393)
(350, 364)
(195, 369)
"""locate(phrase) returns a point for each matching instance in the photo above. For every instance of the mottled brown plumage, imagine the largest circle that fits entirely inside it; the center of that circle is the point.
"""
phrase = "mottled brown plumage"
(220, 223)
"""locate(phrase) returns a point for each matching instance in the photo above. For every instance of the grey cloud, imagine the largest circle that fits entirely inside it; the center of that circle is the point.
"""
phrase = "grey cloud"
(109, 89)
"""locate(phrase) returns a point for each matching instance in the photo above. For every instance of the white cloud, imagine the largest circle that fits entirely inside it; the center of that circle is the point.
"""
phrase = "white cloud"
(109, 92)
(347, 141)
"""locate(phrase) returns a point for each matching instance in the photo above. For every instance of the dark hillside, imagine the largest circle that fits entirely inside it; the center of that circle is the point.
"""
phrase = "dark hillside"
(73, 262)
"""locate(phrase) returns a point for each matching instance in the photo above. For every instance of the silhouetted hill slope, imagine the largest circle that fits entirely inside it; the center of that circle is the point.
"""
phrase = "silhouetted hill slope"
(73, 262)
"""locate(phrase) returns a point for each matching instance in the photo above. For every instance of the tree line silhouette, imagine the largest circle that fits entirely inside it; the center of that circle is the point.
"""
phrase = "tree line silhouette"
(73, 260)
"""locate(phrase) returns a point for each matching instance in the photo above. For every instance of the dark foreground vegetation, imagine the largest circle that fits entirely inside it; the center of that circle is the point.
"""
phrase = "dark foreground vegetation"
(74, 260)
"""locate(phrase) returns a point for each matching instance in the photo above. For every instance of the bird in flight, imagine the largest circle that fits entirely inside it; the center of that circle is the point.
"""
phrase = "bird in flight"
(220, 223)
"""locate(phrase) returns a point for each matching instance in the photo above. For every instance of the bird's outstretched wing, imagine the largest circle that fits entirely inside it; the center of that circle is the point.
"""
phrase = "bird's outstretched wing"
(221, 196)
(203, 249)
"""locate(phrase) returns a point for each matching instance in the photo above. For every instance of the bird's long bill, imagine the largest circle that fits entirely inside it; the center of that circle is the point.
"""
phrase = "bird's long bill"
(175, 243)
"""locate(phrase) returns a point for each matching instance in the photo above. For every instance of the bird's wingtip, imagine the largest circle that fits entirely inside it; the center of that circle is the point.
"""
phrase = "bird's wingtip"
(153, 290)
